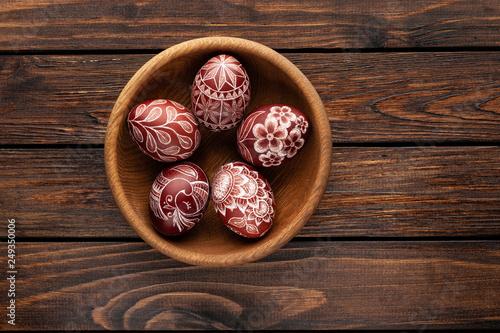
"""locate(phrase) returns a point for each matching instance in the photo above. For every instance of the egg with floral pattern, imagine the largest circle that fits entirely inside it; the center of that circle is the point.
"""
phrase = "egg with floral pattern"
(178, 198)
(243, 199)
(164, 130)
(272, 134)
(220, 93)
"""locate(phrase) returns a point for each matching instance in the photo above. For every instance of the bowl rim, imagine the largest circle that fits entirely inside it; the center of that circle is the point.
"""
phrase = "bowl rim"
(226, 44)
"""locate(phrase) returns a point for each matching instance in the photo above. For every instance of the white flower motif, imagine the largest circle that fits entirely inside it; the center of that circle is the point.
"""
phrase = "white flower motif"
(293, 143)
(231, 113)
(220, 93)
(271, 159)
(283, 114)
(302, 124)
(235, 187)
(269, 136)
(262, 212)
(208, 109)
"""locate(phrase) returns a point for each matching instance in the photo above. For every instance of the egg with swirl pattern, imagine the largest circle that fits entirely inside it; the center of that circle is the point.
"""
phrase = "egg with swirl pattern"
(178, 198)
(220, 93)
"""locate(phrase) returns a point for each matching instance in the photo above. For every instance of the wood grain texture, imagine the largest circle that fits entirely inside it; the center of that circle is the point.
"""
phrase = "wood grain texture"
(59, 193)
(93, 25)
(63, 64)
(314, 285)
(379, 192)
(418, 191)
(60, 99)
(422, 98)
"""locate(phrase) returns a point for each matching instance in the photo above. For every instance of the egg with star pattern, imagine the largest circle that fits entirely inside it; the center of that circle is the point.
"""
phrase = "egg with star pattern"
(220, 93)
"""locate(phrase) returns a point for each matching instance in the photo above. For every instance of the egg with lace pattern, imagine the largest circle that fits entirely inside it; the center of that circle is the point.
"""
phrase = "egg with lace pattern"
(178, 198)
(220, 93)
(164, 130)
(272, 134)
(243, 199)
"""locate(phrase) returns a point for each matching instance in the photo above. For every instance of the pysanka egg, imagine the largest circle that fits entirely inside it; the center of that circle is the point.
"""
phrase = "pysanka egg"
(272, 134)
(220, 93)
(164, 130)
(243, 199)
(178, 198)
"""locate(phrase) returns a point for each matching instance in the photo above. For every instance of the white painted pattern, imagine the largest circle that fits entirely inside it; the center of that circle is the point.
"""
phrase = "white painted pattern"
(275, 139)
(182, 207)
(237, 188)
(221, 93)
(158, 133)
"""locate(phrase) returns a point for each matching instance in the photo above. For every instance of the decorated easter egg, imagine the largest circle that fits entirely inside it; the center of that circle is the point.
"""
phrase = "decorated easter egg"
(243, 199)
(272, 134)
(220, 93)
(178, 198)
(164, 130)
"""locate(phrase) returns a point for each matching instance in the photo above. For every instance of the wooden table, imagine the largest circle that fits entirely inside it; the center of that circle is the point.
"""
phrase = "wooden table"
(405, 237)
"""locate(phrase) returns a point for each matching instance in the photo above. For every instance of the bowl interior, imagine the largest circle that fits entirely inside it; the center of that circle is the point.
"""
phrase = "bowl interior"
(297, 185)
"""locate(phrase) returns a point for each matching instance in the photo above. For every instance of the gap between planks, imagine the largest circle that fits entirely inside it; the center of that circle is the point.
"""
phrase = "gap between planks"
(455, 49)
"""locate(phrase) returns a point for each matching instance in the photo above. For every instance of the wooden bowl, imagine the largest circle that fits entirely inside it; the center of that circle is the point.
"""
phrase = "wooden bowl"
(298, 185)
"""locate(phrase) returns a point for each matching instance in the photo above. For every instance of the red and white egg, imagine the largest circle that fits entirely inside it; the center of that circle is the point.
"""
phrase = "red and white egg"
(220, 93)
(243, 199)
(178, 198)
(272, 134)
(164, 130)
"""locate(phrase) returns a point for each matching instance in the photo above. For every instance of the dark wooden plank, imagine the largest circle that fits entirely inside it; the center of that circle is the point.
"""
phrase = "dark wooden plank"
(96, 25)
(305, 285)
(411, 191)
(61, 99)
(380, 192)
(422, 98)
(59, 193)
